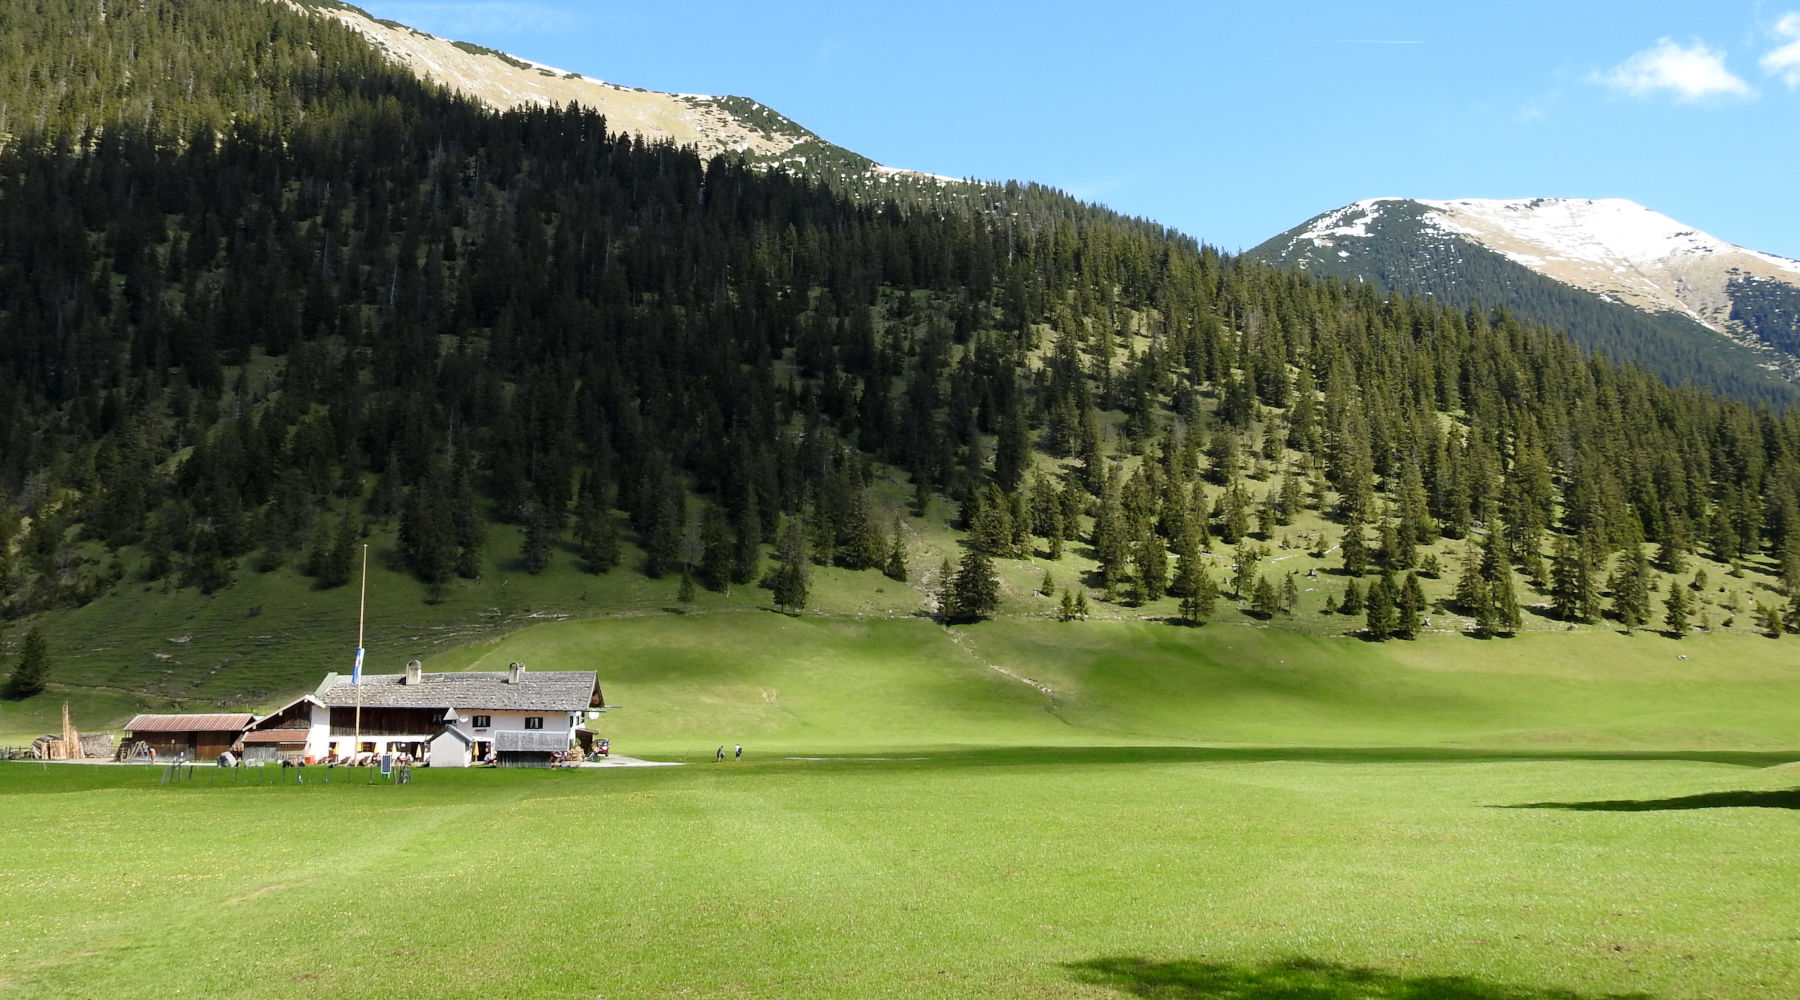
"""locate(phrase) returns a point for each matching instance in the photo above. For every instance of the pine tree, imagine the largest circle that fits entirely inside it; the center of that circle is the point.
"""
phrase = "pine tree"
(33, 669)
(1353, 599)
(1503, 601)
(1409, 607)
(1631, 589)
(1379, 617)
(1768, 618)
(1355, 551)
(596, 536)
(895, 566)
(684, 592)
(1152, 560)
(715, 552)
(1243, 579)
(1199, 605)
(1471, 593)
(1263, 601)
(1066, 612)
(789, 581)
(1571, 583)
(976, 592)
(746, 542)
(1675, 610)
(534, 551)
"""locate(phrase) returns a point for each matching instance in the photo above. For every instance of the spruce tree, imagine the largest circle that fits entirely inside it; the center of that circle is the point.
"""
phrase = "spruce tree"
(1409, 607)
(33, 669)
(976, 592)
(1768, 618)
(1354, 550)
(1631, 589)
(1379, 617)
(1263, 600)
(596, 536)
(1152, 561)
(895, 566)
(1243, 578)
(715, 551)
(1570, 582)
(1496, 571)
(1675, 610)
(789, 581)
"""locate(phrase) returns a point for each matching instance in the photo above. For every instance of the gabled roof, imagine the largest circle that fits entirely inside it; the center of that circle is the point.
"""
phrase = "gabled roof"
(216, 723)
(305, 699)
(541, 690)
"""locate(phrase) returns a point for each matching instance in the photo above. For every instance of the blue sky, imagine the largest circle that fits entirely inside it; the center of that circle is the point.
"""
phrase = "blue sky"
(1233, 122)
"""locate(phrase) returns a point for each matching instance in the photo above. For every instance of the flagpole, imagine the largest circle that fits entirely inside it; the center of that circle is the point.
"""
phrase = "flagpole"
(362, 604)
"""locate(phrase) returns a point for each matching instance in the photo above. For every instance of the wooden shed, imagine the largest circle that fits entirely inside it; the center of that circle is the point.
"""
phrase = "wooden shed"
(197, 737)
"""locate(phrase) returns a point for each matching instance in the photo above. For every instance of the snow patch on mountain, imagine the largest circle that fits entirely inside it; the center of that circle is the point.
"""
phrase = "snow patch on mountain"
(1350, 222)
(1615, 248)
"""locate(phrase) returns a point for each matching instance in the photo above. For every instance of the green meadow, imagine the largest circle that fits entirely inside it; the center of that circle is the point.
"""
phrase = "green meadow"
(1014, 809)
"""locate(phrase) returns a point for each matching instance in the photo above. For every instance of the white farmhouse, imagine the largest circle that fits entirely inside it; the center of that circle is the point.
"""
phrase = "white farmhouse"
(515, 716)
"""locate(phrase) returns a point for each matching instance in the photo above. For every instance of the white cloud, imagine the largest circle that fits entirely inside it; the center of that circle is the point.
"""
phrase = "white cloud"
(1784, 61)
(1691, 73)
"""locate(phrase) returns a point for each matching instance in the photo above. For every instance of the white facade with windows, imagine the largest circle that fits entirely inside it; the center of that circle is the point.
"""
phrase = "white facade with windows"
(514, 716)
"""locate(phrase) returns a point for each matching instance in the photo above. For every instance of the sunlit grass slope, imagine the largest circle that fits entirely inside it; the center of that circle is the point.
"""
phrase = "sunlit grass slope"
(685, 684)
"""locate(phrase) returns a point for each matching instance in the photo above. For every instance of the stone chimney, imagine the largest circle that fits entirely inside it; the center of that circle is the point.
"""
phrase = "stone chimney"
(415, 672)
(515, 673)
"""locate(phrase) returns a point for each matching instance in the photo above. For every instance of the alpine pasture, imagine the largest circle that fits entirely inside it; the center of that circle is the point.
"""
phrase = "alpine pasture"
(1096, 809)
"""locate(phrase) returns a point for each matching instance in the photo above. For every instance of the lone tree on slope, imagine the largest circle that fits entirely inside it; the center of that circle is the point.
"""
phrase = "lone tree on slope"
(33, 667)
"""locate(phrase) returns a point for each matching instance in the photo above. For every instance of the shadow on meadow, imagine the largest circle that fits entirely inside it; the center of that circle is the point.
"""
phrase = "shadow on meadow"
(1298, 979)
(1789, 799)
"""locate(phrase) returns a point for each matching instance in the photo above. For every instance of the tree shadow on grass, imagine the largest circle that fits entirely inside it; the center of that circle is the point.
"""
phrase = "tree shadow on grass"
(1789, 799)
(1298, 979)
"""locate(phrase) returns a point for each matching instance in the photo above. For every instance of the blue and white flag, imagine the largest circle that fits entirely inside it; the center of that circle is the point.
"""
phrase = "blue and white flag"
(356, 671)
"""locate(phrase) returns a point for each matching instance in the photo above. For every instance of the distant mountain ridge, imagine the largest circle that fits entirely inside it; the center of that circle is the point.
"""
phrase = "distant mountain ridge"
(1620, 277)
(711, 124)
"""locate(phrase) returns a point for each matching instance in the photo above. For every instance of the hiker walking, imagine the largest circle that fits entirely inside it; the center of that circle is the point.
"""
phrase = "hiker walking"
(737, 752)
(719, 757)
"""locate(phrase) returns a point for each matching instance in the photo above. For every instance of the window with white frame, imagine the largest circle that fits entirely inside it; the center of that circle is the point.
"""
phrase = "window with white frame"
(481, 721)
(534, 722)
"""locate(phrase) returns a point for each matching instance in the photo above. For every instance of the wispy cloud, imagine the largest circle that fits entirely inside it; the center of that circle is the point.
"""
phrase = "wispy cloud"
(1784, 61)
(479, 18)
(1688, 72)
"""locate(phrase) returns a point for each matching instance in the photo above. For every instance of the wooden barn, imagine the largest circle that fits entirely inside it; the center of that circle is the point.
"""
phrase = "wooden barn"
(284, 733)
(197, 737)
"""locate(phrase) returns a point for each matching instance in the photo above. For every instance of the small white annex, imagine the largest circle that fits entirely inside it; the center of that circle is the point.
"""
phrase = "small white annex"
(513, 717)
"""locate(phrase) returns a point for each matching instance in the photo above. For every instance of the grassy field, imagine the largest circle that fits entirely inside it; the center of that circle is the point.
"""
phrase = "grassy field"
(1172, 872)
(1017, 809)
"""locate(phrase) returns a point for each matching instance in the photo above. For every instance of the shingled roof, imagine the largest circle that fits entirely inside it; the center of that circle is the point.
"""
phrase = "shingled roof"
(546, 690)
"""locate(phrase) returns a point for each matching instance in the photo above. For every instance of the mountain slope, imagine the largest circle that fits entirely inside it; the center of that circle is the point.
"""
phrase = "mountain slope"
(712, 125)
(284, 300)
(1617, 276)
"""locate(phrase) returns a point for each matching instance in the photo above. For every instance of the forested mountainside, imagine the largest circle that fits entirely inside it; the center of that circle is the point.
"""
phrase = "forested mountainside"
(1404, 246)
(259, 289)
